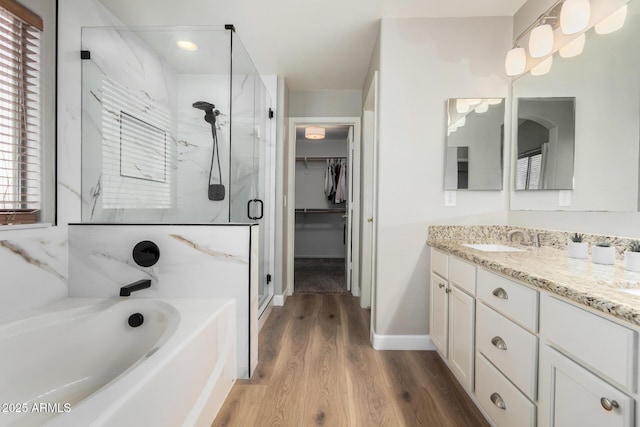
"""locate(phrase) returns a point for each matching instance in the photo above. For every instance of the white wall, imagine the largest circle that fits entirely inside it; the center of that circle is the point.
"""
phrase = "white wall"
(325, 103)
(422, 63)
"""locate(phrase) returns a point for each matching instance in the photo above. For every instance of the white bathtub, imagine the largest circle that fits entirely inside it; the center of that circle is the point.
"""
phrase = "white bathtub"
(79, 363)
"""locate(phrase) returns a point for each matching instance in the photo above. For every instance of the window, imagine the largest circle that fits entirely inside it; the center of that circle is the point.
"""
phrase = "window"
(529, 170)
(20, 114)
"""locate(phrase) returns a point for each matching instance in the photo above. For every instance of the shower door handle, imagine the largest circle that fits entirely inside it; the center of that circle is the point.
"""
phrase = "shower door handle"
(261, 208)
(249, 209)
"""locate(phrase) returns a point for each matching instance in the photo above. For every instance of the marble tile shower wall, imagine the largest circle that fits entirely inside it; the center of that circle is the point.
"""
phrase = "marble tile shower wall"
(498, 234)
(196, 261)
(152, 92)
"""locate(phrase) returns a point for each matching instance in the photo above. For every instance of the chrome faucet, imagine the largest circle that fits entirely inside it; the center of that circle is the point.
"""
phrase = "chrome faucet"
(526, 239)
(532, 239)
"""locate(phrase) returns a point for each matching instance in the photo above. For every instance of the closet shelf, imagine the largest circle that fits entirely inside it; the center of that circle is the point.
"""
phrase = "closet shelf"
(317, 211)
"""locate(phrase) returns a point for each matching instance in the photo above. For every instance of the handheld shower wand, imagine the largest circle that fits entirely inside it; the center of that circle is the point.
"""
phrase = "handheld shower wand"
(216, 191)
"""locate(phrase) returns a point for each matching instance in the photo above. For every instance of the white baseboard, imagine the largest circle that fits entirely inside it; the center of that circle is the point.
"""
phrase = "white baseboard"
(402, 342)
(279, 300)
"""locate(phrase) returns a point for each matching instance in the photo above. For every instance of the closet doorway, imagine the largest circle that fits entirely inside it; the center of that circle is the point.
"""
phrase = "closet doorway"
(322, 190)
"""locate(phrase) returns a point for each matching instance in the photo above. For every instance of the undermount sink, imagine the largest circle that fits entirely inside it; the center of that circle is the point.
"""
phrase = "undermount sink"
(492, 247)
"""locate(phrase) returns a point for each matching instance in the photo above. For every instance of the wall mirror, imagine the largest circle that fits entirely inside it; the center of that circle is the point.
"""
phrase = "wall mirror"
(474, 144)
(605, 84)
(545, 144)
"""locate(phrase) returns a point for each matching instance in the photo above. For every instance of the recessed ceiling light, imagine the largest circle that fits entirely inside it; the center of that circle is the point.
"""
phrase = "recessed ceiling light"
(187, 45)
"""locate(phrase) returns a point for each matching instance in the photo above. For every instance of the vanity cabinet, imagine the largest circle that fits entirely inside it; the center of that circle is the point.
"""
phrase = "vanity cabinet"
(588, 368)
(528, 357)
(452, 314)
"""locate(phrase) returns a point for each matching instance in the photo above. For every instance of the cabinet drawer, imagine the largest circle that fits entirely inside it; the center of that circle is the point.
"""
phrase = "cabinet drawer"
(598, 343)
(509, 347)
(501, 400)
(440, 263)
(463, 275)
(515, 301)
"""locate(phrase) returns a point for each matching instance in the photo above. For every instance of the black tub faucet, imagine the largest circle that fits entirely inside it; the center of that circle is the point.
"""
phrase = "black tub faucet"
(125, 291)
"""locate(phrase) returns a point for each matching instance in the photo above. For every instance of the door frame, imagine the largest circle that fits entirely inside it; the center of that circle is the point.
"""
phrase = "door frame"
(289, 221)
(369, 196)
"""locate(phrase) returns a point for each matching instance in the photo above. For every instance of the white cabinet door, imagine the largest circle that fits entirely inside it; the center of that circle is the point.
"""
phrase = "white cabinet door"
(578, 398)
(439, 313)
(461, 335)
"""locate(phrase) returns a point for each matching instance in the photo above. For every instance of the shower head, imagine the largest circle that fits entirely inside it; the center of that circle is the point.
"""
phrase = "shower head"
(203, 105)
(209, 110)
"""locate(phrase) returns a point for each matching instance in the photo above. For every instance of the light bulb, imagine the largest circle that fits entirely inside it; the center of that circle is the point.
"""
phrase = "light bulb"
(542, 68)
(516, 61)
(462, 106)
(541, 41)
(574, 48)
(574, 16)
(613, 22)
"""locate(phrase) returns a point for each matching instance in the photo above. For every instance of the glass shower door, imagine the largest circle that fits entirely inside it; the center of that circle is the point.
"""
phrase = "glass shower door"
(250, 136)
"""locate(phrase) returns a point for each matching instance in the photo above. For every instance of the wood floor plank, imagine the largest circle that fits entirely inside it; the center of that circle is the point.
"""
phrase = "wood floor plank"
(448, 393)
(289, 380)
(326, 401)
(402, 370)
(370, 402)
(241, 407)
(270, 342)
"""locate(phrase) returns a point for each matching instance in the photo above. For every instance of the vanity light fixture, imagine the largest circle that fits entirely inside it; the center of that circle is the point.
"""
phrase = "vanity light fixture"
(574, 48)
(574, 16)
(541, 41)
(516, 61)
(542, 68)
(314, 132)
(613, 22)
(187, 45)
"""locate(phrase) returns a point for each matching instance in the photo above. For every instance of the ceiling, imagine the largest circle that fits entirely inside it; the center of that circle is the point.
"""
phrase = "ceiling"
(315, 44)
(332, 132)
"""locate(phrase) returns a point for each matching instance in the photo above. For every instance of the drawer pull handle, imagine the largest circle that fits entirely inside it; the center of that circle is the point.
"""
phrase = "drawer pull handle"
(499, 343)
(498, 401)
(441, 285)
(500, 293)
(608, 405)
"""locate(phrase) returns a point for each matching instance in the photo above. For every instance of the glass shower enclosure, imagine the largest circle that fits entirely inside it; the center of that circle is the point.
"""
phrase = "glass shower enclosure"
(176, 129)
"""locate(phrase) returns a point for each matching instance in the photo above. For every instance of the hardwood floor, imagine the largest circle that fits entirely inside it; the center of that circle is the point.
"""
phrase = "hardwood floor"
(317, 368)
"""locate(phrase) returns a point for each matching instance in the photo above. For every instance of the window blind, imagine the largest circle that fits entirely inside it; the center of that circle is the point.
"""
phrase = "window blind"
(20, 115)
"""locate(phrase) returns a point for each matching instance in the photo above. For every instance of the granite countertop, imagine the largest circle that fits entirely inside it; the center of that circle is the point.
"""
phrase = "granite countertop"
(597, 286)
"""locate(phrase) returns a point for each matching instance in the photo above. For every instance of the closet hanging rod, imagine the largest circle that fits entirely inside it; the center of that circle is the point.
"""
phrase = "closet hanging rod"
(315, 211)
(320, 158)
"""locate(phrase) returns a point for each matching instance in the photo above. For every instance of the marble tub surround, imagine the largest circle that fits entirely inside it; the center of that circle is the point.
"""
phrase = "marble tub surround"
(498, 234)
(196, 261)
(597, 286)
